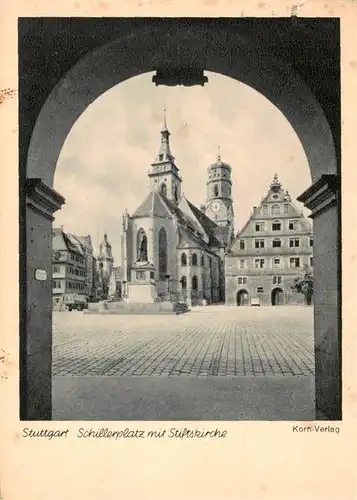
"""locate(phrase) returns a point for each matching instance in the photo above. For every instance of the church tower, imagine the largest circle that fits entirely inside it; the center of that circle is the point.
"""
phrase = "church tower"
(164, 175)
(219, 203)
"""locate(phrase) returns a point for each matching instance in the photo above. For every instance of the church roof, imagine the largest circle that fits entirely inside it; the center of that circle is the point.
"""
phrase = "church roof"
(153, 206)
(210, 227)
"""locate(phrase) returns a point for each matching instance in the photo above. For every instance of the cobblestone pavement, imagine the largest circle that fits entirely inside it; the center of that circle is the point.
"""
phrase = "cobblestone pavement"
(211, 341)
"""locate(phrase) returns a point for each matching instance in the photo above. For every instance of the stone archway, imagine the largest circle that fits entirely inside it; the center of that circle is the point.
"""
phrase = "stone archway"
(277, 297)
(231, 52)
(242, 298)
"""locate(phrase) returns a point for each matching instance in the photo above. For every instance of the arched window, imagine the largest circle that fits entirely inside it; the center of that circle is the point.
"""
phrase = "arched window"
(202, 260)
(162, 253)
(216, 190)
(163, 189)
(194, 259)
(276, 243)
(184, 282)
(183, 259)
(276, 225)
(194, 283)
(175, 193)
(141, 246)
(275, 209)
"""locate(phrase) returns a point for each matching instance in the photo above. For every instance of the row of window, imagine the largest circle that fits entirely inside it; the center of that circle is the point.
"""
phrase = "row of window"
(73, 285)
(76, 272)
(277, 263)
(277, 243)
(71, 270)
(194, 260)
(276, 209)
(276, 225)
(76, 257)
(194, 281)
(294, 242)
(277, 280)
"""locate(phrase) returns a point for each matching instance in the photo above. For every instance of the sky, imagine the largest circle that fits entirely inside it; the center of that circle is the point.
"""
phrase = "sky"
(103, 165)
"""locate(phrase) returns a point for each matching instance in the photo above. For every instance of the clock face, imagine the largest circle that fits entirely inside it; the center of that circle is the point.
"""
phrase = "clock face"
(216, 206)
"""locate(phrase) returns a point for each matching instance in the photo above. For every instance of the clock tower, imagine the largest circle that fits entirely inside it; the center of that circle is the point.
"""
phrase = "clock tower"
(219, 203)
(164, 175)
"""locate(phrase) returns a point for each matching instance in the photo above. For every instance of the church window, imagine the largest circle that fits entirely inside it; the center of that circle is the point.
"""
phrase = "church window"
(163, 189)
(294, 242)
(276, 243)
(175, 193)
(194, 259)
(194, 283)
(216, 190)
(276, 226)
(275, 209)
(293, 225)
(162, 253)
(242, 244)
(259, 243)
(259, 227)
(202, 260)
(183, 259)
(184, 282)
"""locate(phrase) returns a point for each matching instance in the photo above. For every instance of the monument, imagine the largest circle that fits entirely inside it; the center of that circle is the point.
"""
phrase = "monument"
(142, 288)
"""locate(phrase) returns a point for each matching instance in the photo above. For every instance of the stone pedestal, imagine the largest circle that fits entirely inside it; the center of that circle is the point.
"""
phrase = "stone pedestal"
(322, 199)
(142, 287)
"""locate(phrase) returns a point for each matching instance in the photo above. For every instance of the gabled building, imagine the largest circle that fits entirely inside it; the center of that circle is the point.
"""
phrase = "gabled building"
(273, 248)
(68, 269)
(170, 245)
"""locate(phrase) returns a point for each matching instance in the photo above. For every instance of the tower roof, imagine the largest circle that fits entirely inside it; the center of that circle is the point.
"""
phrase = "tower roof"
(219, 162)
(164, 154)
(105, 249)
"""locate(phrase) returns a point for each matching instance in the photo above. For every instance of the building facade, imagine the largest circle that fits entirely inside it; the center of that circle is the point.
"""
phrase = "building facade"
(171, 249)
(68, 270)
(274, 247)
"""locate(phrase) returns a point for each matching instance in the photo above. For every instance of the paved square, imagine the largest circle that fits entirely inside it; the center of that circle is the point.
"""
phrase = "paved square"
(208, 341)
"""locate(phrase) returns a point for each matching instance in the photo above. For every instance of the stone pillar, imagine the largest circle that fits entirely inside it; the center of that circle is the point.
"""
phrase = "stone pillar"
(36, 300)
(322, 198)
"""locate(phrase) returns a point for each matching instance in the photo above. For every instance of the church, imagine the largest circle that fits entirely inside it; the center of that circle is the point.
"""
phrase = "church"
(171, 249)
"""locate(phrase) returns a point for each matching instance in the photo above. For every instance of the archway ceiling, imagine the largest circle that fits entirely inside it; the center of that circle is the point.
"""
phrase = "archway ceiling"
(50, 47)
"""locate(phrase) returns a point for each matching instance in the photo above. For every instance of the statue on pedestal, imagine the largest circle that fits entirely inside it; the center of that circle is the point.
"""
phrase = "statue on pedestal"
(142, 248)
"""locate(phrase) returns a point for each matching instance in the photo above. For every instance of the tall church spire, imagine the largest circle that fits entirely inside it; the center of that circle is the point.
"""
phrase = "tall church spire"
(164, 175)
(164, 151)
